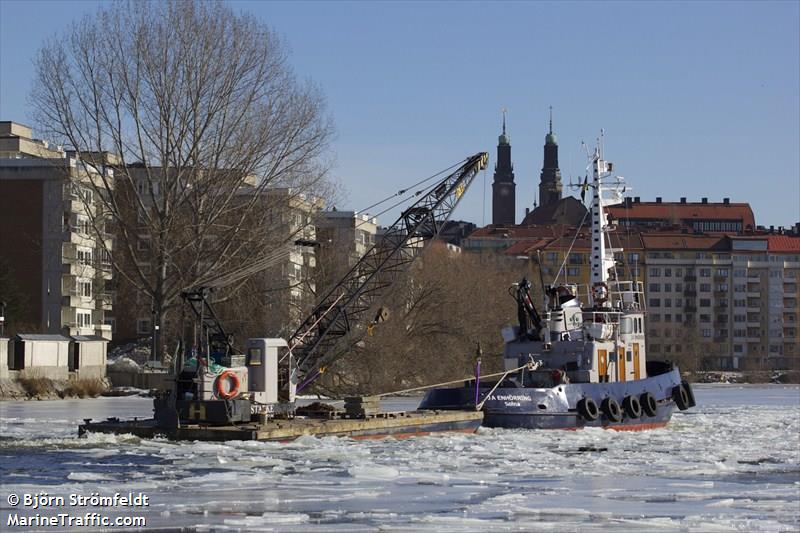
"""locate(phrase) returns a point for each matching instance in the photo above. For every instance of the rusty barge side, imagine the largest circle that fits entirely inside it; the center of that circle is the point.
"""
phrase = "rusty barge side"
(397, 425)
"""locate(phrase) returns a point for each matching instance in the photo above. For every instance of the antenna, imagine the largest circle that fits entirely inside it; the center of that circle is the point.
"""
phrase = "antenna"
(504, 120)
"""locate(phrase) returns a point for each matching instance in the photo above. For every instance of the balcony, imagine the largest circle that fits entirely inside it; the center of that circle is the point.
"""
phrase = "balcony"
(104, 301)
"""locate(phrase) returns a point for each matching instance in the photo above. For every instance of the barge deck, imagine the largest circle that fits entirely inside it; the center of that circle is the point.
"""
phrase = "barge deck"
(401, 424)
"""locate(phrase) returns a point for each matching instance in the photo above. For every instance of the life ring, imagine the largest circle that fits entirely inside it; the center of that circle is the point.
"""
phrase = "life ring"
(235, 383)
(649, 405)
(611, 409)
(632, 406)
(588, 409)
(681, 397)
(600, 292)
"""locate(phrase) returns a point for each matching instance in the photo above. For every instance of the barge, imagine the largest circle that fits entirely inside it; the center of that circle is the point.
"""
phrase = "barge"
(402, 424)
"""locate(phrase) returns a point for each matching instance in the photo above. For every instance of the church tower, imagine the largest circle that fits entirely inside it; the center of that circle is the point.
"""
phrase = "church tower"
(503, 187)
(550, 178)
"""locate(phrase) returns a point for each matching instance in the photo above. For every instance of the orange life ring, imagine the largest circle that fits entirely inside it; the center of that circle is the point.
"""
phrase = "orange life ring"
(235, 384)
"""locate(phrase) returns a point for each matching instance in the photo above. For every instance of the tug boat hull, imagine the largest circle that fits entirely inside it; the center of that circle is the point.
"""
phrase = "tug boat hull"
(557, 407)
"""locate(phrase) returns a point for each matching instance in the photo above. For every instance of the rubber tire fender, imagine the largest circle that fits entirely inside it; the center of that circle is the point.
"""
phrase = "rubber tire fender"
(680, 397)
(690, 392)
(648, 403)
(611, 409)
(588, 410)
(632, 406)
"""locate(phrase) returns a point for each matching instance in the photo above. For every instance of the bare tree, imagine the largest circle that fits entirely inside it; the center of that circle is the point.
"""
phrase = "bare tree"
(439, 311)
(202, 113)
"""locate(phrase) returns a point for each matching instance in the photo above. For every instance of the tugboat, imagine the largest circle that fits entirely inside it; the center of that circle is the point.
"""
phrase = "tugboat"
(582, 362)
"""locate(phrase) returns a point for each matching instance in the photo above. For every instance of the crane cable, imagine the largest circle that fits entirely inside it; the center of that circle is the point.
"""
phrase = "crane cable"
(404, 191)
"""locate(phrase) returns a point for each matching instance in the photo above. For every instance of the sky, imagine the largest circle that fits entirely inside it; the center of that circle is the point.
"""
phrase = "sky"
(696, 99)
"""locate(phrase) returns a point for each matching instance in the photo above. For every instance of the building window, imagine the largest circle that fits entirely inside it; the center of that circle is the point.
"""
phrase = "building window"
(705, 287)
(705, 318)
(706, 333)
(705, 302)
(143, 326)
(705, 272)
(655, 272)
(85, 289)
(84, 319)
(654, 287)
(573, 271)
(655, 302)
(667, 272)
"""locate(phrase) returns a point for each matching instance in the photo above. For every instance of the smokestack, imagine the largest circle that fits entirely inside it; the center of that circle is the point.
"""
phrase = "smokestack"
(726, 201)
(658, 199)
(704, 200)
(683, 199)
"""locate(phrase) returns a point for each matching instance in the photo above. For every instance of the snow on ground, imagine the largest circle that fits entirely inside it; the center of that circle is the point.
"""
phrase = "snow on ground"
(730, 464)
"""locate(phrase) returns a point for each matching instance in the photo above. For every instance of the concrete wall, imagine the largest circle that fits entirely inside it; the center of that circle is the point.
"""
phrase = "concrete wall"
(48, 359)
(3, 358)
(143, 380)
(92, 360)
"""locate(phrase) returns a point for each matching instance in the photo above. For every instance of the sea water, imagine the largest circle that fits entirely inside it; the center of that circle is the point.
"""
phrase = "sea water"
(732, 463)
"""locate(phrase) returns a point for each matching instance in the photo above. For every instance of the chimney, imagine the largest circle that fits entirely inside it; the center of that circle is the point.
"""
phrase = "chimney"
(683, 199)
(772, 229)
(637, 199)
(726, 201)
(704, 200)
(658, 199)
(628, 200)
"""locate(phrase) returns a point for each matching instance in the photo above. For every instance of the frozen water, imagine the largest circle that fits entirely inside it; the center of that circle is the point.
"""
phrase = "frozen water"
(730, 464)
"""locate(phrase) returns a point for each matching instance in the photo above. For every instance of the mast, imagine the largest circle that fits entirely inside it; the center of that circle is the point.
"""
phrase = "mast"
(599, 274)
(602, 257)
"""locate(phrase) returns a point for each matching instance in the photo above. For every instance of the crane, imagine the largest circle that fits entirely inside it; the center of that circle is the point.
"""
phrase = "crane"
(337, 322)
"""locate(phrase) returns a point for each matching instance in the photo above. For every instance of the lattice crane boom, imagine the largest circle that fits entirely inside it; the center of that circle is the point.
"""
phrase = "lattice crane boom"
(340, 319)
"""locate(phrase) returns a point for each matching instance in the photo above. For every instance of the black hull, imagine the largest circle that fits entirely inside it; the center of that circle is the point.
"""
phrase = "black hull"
(556, 407)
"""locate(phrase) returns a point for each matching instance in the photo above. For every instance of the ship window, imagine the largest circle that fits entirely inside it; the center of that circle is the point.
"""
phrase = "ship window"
(626, 326)
(629, 356)
(254, 357)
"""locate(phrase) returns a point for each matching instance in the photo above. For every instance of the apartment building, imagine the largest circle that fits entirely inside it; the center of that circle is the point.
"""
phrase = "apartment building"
(727, 301)
(344, 237)
(278, 295)
(54, 237)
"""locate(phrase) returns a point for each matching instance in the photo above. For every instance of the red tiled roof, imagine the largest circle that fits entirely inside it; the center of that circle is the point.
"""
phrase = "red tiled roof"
(688, 211)
(526, 246)
(520, 232)
(784, 243)
(684, 241)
